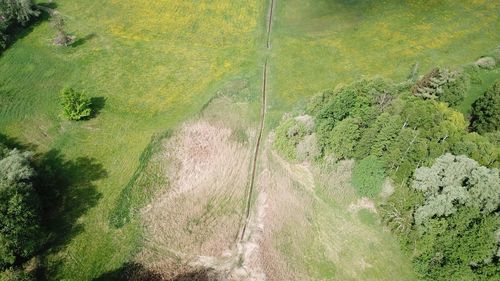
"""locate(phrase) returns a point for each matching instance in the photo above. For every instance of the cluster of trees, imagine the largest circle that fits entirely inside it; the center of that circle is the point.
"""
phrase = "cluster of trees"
(382, 119)
(395, 129)
(14, 13)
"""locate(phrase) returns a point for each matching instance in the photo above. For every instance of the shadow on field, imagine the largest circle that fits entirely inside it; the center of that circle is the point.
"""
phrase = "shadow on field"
(136, 272)
(98, 104)
(130, 272)
(67, 191)
(80, 41)
(13, 143)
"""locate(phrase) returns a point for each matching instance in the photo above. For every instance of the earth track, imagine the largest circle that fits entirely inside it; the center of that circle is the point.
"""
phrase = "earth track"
(261, 124)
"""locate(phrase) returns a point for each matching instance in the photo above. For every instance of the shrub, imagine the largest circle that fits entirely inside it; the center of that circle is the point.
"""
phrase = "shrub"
(368, 176)
(486, 63)
(308, 149)
(76, 105)
(289, 134)
(62, 37)
(455, 90)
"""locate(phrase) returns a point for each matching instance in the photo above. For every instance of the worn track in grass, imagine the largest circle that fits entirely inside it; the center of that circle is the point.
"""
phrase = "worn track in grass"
(261, 123)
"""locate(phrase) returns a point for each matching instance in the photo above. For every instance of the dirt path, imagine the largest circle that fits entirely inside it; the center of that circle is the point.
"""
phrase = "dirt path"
(261, 124)
(270, 24)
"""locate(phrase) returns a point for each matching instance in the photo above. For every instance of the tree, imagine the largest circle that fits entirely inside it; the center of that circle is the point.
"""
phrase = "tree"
(62, 38)
(486, 110)
(19, 11)
(76, 105)
(457, 223)
(443, 85)
(454, 181)
(343, 138)
(368, 176)
(19, 207)
(13, 12)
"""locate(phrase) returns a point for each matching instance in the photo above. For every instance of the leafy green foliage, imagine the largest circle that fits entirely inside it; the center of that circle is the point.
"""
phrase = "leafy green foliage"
(486, 110)
(362, 99)
(19, 207)
(443, 85)
(457, 225)
(368, 176)
(455, 181)
(15, 275)
(343, 138)
(76, 105)
(391, 131)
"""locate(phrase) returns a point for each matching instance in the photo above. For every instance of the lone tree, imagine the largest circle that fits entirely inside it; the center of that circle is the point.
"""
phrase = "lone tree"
(62, 38)
(19, 207)
(76, 105)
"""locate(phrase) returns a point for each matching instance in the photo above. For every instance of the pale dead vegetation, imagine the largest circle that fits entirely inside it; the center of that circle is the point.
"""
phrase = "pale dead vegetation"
(200, 214)
(363, 203)
(387, 189)
(290, 207)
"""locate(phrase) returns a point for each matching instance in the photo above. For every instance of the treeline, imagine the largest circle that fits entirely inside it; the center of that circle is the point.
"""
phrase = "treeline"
(395, 130)
(14, 13)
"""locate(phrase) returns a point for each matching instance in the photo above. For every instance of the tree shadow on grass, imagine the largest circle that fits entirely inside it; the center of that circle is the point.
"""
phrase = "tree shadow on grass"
(67, 191)
(82, 40)
(132, 271)
(11, 143)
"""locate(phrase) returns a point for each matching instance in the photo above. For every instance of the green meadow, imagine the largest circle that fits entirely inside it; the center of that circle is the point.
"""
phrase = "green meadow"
(319, 44)
(149, 65)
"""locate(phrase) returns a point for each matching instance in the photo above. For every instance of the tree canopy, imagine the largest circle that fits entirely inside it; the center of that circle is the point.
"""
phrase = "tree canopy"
(19, 207)
(486, 110)
(457, 224)
(14, 12)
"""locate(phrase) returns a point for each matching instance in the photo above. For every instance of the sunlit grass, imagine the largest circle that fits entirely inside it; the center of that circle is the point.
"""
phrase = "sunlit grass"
(318, 44)
(156, 63)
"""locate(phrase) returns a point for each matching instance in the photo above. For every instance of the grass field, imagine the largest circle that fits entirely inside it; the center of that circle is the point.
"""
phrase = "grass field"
(153, 64)
(318, 44)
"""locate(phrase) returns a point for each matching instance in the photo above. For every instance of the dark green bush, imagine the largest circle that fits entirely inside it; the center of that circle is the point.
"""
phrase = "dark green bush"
(486, 110)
